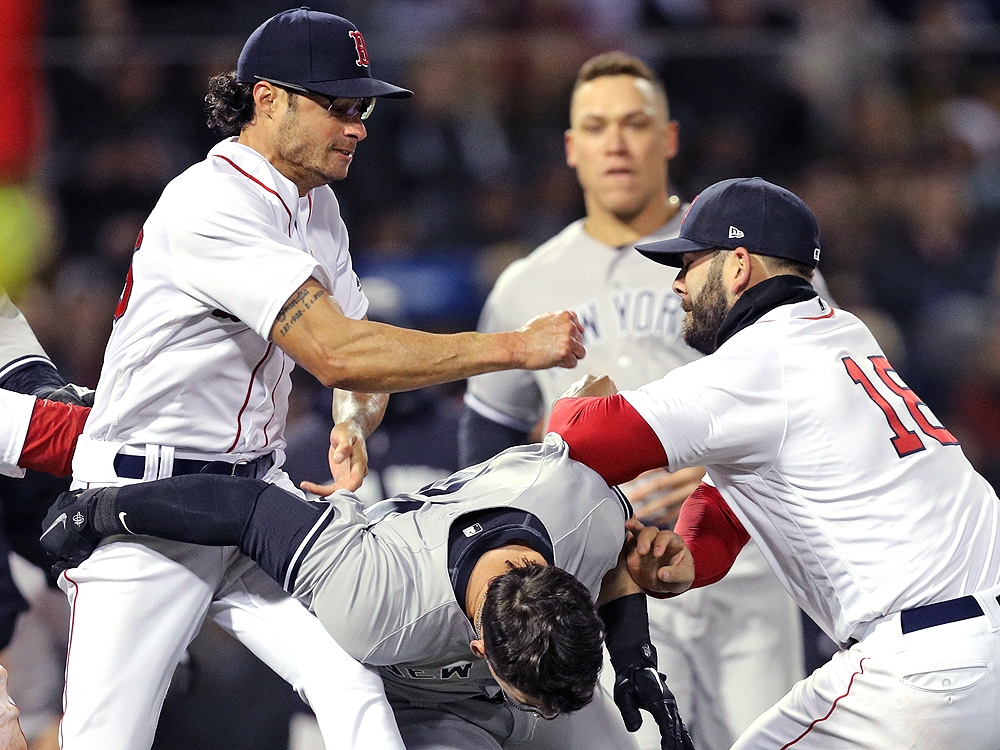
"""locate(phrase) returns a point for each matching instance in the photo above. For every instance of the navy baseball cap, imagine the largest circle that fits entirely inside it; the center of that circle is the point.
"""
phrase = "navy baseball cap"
(318, 52)
(745, 212)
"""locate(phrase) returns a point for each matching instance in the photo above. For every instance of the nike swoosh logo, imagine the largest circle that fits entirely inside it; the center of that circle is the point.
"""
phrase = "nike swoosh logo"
(61, 519)
(121, 517)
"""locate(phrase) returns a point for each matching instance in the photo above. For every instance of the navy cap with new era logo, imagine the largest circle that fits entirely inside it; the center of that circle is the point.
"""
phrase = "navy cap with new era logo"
(745, 212)
(319, 52)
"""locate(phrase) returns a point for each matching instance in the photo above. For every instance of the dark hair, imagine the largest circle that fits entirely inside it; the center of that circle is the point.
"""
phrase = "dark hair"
(229, 104)
(618, 64)
(542, 635)
(781, 266)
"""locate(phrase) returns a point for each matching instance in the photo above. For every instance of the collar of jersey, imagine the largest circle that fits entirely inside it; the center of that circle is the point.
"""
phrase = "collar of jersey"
(258, 168)
(759, 300)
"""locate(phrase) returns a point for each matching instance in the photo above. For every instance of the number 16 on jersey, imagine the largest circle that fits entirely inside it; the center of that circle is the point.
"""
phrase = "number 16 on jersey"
(904, 441)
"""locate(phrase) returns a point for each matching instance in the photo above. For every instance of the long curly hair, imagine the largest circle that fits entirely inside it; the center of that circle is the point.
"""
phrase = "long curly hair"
(229, 104)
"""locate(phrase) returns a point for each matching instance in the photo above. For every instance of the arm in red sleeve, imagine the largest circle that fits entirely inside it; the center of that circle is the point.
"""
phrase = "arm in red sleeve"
(712, 532)
(608, 435)
(51, 438)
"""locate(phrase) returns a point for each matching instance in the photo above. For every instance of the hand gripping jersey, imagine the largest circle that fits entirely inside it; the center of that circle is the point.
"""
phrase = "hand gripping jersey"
(382, 588)
(189, 363)
(631, 316)
(863, 504)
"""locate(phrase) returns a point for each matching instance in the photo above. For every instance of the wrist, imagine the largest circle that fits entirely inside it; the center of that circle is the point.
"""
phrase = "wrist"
(627, 624)
(513, 350)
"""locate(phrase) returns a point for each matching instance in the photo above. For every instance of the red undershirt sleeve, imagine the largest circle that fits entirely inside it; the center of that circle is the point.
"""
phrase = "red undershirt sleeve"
(608, 435)
(712, 532)
(51, 438)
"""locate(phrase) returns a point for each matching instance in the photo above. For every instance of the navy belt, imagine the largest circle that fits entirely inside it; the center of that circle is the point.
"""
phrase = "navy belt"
(941, 613)
(134, 467)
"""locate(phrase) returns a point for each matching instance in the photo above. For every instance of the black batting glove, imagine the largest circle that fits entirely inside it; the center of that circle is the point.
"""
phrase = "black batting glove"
(638, 684)
(67, 394)
(643, 687)
(68, 533)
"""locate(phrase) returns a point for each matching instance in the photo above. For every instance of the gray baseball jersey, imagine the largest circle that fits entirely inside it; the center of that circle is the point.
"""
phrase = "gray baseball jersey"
(18, 345)
(627, 305)
(382, 588)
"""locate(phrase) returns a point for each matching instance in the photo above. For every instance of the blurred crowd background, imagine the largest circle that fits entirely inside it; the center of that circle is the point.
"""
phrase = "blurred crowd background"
(884, 115)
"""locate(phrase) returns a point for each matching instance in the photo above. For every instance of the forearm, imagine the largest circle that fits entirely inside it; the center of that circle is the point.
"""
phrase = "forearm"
(712, 532)
(617, 583)
(374, 357)
(359, 355)
(364, 409)
(51, 436)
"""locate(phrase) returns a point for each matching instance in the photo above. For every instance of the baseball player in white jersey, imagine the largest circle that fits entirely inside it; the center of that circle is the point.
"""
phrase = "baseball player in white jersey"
(730, 651)
(863, 503)
(241, 271)
(474, 596)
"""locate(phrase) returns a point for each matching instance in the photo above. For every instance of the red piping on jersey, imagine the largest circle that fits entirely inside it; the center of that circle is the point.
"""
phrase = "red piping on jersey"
(253, 376)
(309, 195)
(861, 670)
(270, 190)
(823, 317)
(274, 406)
(69, 646)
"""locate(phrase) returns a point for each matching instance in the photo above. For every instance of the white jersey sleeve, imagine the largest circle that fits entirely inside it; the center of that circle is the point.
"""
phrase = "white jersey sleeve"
(16, 409)
(233, 255)
(328, 240)
(723, 409)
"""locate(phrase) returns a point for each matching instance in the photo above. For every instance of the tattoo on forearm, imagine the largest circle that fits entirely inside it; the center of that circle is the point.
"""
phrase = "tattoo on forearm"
(301, 301)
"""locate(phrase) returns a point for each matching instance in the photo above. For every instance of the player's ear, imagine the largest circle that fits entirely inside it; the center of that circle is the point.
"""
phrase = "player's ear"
(741, 272)
(671, 140)
(478, 648)
(570, 148)
(264, 96)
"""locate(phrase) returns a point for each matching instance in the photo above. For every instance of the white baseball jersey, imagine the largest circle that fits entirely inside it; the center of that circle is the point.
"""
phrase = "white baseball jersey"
(189, 363)
(632, 320)
(862, 503)
(392, 574)
(189, 369)
(631, 316)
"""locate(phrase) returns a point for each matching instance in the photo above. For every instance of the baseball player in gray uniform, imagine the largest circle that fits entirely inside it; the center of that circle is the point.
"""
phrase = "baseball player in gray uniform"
(473, 596)
(24, 365)
(731, 650)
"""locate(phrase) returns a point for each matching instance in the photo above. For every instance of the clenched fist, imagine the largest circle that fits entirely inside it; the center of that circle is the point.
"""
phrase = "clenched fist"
(551, 340)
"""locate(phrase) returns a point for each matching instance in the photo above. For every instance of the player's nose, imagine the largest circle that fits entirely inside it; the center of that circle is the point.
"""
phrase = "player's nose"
(355, 128)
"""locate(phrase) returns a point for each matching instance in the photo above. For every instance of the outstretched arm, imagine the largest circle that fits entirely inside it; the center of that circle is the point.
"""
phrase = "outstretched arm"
(269, 525)
(38, 434)
(360, 355)
(604, 432)
(638, 682)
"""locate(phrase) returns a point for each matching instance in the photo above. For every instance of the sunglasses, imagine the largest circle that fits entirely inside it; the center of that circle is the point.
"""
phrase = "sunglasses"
(340, 106)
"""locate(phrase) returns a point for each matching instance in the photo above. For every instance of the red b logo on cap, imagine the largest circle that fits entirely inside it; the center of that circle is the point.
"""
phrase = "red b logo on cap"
(359, 45)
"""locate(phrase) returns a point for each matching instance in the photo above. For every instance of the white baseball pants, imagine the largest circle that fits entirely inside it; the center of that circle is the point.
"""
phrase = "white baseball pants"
(136, 606)
(931, 689)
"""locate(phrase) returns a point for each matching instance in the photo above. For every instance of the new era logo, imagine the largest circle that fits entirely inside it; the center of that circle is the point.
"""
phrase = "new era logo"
(734, 233)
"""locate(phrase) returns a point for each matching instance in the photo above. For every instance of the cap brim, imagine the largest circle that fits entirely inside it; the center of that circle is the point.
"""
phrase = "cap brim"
(356, 88)
(669, 252)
